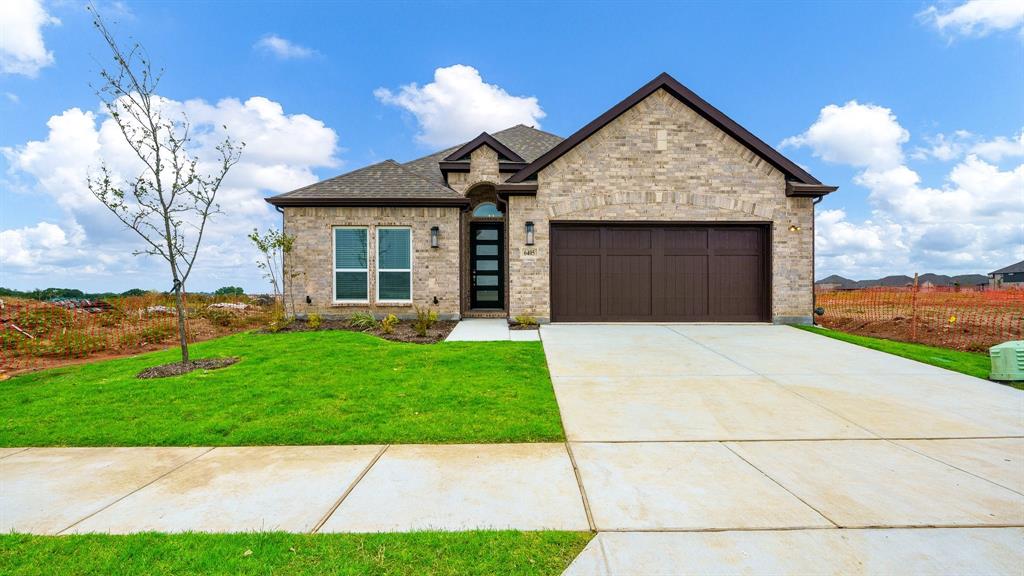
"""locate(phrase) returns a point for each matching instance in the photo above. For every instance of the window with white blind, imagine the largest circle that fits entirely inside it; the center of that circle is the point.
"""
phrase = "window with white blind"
(394, 265)
(351, 274)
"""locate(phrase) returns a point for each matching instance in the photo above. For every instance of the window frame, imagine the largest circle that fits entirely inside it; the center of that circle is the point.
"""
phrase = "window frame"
(379, 269)
(334, 266)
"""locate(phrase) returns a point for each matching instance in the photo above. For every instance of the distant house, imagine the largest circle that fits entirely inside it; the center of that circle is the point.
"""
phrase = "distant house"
(1010, 277)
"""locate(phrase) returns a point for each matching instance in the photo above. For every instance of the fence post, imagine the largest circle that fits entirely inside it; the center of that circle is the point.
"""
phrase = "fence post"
(913, 310)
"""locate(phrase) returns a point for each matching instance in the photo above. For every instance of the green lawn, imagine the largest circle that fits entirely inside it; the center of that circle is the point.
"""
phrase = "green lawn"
(330, 387)
(970, 363)
(417, 553)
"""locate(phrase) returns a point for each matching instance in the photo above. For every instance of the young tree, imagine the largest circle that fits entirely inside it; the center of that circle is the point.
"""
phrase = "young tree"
(273, 245)
(170, 200)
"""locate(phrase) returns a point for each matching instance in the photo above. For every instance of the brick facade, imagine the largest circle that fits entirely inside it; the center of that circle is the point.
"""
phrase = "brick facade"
(661, 161)
(309, 269)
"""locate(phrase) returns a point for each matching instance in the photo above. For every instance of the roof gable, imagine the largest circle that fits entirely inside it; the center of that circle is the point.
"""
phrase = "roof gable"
(701, 107)
(484, 139)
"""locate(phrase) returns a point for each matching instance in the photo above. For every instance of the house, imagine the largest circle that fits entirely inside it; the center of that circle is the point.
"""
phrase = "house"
(1010, 277)
(661, 209)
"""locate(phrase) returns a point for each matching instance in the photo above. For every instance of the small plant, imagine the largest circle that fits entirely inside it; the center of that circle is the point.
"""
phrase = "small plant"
(219, 316)
(129, 340)
(526, 320)
(74, 344)
(425, 319)
(363, 320)
(388, 323)
(157, 334)
(111, 318)
(314, 321)
(279, 320)
(10, 339)
(39, 321)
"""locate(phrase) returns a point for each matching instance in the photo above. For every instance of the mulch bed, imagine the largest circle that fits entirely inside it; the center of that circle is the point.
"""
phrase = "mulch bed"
(403, 332)
(178, 368)
(524, 327)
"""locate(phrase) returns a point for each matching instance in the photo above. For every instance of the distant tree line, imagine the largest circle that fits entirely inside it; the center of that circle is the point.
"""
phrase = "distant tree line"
(73, 293)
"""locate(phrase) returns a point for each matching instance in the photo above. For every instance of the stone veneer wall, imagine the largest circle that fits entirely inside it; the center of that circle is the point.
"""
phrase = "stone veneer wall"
(661, 161)
(435, 270)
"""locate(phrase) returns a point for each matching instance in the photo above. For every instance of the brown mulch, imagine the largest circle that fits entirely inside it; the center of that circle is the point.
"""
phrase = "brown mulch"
(179, 368)
(403, 332)
(524, 327)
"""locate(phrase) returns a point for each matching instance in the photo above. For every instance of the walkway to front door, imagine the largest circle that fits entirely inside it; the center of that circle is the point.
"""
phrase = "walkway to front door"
(486, 258)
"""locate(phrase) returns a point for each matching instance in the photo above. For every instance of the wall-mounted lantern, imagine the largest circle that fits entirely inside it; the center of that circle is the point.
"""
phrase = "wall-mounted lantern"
(794, 228)
(434, 232)
(529, 233)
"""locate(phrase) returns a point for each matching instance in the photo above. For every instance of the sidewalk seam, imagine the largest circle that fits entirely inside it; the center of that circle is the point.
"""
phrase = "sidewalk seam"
(16, 452)
(146, 485)
(351, 487)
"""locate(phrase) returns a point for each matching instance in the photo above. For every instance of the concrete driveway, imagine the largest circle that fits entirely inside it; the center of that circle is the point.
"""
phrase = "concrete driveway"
(736, 448)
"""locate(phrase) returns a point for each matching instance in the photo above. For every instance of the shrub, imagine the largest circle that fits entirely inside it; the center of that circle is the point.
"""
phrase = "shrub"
(314, 321)
(129, 340)
(363, 320)
(425, 318)
(219, 316)
(157, 333)
(111, 318)
(73, 344)
(39, 321)
(388, 323)
(11, 339)
(279, 321)
(526, 320)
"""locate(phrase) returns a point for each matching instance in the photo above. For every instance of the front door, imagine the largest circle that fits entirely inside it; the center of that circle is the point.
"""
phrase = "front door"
(486, 258)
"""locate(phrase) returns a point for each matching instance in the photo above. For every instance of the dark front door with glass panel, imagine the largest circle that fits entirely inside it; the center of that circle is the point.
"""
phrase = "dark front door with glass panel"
(486, 256)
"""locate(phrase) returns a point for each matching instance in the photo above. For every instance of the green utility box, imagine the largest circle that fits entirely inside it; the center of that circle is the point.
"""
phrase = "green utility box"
(1007, 360)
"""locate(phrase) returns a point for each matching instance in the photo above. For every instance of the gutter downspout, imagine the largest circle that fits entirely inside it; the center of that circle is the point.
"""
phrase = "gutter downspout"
(814, 233)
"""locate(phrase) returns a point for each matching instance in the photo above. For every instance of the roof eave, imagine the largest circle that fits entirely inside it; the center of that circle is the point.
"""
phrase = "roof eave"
(802, 190)
(286, 202)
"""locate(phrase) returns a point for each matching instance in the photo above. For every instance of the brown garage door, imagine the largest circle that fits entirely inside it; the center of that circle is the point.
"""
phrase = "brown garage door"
(668, 273)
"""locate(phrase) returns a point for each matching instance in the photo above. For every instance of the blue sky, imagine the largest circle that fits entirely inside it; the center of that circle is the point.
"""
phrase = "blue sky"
(912, 108)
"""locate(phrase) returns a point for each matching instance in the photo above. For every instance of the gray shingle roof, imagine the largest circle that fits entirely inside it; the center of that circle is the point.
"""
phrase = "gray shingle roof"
(1012, 268)
(384, 180)
(419, 179)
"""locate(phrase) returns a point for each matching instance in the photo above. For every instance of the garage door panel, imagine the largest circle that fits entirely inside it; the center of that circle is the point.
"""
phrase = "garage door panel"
(626, 287)
(627, 239)
(665, 272)
(685, 240)
(575, 286)
(735, 287)
(568, 240)
(684, 288)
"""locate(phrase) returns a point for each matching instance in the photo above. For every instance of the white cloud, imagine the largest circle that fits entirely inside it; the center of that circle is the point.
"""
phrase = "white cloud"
(22, 50)
(458, 105)
(1001, 147)
(942, 147)
(973, 222)
(12, 97)
(855, 134)
(977, 17)
(281, 152)
(283, 48)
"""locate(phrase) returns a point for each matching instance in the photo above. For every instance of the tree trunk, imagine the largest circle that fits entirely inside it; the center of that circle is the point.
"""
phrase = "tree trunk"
(182, 335)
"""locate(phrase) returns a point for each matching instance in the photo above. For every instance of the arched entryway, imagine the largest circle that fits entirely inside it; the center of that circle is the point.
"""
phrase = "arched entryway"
(484, 253)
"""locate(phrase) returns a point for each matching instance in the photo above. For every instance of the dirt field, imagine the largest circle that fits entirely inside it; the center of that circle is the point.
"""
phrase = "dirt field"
(963, 319)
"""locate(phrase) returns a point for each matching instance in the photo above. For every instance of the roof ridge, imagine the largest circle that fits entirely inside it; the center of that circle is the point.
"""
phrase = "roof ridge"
(534, 128)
